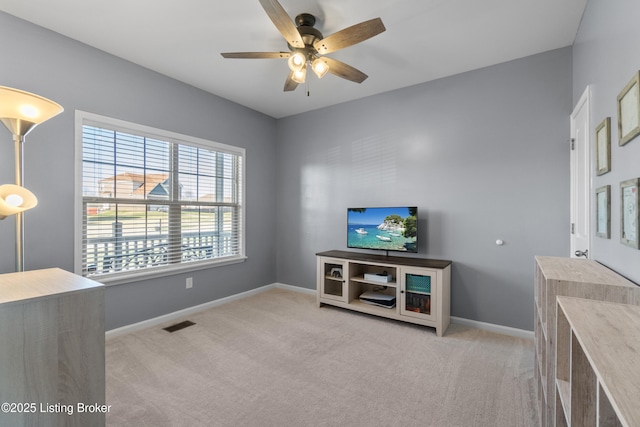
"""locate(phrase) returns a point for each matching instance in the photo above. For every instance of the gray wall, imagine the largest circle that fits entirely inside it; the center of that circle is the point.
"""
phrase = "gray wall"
(482, 154)
(80, 77)
(605, 56)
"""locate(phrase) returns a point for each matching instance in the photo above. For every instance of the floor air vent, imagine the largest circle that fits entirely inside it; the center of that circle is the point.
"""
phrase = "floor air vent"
(179, 326)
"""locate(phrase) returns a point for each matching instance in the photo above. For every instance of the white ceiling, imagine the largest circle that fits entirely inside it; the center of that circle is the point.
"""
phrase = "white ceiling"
(425, 40)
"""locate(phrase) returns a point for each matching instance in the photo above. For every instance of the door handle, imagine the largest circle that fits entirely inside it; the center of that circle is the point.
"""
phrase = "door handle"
(584, 253)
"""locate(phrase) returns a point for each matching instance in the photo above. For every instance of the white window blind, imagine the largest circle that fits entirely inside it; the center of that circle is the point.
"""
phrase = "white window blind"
(153, 202)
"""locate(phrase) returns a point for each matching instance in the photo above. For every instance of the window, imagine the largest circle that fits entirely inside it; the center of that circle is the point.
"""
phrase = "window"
(152, 200)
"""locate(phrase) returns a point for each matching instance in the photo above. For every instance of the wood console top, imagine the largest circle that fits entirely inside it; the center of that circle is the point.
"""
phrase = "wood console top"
(383, 259)
(22, 286)
(581, 271)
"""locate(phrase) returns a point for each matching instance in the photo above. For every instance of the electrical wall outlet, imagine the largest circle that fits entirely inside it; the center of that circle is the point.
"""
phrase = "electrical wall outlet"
(189, 282)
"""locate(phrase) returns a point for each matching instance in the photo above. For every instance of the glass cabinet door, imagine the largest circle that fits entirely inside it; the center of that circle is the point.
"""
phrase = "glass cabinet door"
(333, 279)
(418, 291)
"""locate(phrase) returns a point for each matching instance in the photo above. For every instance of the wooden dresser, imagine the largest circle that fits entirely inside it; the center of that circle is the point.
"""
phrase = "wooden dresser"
(556, 276)
(52, 349)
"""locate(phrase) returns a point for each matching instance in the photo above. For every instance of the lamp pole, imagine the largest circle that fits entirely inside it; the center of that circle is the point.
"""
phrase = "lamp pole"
(17, 139)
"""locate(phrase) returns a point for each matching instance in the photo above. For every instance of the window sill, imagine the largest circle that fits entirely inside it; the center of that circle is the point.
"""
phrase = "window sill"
(137, 276)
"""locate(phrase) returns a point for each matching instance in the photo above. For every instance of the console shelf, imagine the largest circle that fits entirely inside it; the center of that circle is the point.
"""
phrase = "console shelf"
(598, 369)
(420, 288)
(361, 279)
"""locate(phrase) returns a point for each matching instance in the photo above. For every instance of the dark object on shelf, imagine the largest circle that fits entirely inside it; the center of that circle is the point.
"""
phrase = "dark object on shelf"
(418, 303)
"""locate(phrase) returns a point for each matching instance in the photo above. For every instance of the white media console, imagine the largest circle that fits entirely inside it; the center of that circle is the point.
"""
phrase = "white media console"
(414, 290)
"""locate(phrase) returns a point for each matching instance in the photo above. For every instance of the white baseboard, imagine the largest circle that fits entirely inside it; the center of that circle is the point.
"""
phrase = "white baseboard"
(182, 313)
(506, 330)
(295, 289)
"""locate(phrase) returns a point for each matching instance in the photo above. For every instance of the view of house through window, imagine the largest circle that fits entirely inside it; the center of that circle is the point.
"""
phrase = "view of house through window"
(152, 202)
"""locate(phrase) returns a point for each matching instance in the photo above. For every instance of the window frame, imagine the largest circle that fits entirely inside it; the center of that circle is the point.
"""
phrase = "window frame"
(83, 118)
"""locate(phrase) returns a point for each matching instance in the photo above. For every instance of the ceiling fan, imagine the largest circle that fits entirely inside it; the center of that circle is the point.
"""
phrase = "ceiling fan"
(307, 45)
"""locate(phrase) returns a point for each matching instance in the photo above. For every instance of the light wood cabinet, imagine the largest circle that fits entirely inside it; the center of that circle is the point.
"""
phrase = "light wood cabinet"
(52, 350)
(557, 276)
(598, 363)
(419, 288)
(331, 279)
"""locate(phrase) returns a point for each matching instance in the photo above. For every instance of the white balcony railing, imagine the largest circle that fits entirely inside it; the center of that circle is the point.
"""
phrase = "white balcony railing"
(125, 253)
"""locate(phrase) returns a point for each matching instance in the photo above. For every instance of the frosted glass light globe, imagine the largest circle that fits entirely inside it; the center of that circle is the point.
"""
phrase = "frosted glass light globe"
(14, 200)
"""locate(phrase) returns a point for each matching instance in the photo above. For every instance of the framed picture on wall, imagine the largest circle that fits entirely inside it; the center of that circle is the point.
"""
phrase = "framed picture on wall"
(629, 217)
(603, 147)
(629, 110)
(603, 212)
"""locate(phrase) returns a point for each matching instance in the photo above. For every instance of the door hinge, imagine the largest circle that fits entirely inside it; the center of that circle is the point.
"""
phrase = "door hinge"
(573, 143)
(573, 228)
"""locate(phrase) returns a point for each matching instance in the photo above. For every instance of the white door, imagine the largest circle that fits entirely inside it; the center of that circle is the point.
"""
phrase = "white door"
(580, 178)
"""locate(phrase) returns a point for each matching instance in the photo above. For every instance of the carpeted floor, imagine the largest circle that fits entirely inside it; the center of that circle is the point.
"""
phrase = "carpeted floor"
(275, 359)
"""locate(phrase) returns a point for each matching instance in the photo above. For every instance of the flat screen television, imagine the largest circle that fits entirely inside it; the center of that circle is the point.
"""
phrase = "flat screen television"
(387, 229)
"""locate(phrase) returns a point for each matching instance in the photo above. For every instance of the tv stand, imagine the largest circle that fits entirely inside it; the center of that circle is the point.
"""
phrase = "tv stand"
(421, 287)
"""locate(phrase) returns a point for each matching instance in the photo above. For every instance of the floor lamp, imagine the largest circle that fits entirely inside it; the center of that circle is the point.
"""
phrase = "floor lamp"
(20, 112)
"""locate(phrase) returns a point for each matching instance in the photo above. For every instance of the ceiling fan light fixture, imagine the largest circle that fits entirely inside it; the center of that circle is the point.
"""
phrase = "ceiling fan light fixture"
(306, 45)
(319, 67)
(300, 75)
(297, 62)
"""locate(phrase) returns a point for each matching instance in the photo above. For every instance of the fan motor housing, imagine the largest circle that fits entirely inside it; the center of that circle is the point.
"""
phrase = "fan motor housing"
(309, 34)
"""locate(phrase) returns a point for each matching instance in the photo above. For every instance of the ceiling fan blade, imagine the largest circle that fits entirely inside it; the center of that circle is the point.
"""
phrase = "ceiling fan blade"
(290, 84)
(349, 36)
(343, 70)
(283, 22)
(256, 55)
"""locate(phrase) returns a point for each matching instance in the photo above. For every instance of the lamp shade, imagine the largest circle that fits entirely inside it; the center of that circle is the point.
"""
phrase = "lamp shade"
(21, 111)
(15, 199)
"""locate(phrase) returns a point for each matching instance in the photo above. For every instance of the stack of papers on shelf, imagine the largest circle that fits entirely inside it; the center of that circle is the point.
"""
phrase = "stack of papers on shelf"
(376, 298)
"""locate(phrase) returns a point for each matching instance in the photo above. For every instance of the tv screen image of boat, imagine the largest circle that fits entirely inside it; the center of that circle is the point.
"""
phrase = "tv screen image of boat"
(387, 229)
